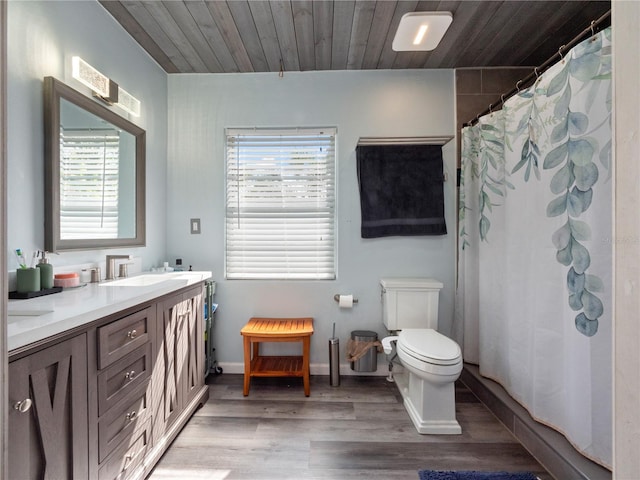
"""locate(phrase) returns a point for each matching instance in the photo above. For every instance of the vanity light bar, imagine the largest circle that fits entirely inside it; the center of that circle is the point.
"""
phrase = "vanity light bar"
(90, 77)
(128, 102)
(103, 87)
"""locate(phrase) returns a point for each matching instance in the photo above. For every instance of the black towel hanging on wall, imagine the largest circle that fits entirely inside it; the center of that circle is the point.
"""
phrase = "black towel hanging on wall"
(401, 190)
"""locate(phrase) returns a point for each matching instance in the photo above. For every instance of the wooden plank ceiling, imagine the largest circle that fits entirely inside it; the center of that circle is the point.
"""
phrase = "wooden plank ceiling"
(205, 36)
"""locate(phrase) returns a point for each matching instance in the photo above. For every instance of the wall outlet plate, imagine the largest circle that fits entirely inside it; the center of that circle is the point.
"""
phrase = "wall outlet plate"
(195, 226)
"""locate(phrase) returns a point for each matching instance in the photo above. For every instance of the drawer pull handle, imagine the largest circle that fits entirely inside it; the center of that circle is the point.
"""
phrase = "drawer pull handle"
(127, 461)
(132, 334)
(130, 375)
(131, 416)
(23, 406)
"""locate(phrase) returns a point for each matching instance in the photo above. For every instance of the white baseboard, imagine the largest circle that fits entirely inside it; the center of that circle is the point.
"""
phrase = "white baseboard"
(318, 369)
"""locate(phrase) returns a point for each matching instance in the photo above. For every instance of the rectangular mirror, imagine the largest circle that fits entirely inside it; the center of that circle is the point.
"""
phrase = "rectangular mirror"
(94, 173)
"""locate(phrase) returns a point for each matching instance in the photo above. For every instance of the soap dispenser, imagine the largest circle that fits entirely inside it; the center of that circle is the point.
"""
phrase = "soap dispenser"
(46, 272)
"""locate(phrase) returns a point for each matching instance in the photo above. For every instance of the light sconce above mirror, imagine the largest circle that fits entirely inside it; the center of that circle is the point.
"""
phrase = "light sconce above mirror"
(103, 87)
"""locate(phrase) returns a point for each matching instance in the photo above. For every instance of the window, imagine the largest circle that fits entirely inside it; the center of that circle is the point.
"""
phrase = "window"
(89, 171)
(280, 207)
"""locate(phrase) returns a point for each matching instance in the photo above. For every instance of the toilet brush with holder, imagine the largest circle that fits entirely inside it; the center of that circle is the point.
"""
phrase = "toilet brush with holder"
(334, 359)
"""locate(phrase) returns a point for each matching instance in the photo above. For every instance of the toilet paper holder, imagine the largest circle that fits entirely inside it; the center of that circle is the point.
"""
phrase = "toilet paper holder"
(336, 297)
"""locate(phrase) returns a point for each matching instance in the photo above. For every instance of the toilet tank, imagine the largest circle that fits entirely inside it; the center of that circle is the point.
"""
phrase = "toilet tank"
(410, 302)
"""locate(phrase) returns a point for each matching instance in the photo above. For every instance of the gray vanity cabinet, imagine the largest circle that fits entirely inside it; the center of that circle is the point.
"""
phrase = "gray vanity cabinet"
(48, 420)
(106, 400)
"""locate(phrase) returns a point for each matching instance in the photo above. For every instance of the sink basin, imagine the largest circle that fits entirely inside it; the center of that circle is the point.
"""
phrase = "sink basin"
(151, 279)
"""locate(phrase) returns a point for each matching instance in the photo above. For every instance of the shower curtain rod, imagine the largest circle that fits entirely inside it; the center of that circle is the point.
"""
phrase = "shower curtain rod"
(537, 71)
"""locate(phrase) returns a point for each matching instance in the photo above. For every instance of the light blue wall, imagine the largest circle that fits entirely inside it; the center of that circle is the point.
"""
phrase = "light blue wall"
(185, 169)
(42, 38)
(358, 103)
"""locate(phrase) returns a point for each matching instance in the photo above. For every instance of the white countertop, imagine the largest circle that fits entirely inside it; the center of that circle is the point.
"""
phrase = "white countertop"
(41, 317)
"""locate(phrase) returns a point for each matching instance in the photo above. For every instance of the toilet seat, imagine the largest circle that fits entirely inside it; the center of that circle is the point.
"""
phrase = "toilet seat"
(429, 351)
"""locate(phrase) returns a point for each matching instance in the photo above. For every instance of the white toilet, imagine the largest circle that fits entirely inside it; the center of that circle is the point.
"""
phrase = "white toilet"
(432, 360)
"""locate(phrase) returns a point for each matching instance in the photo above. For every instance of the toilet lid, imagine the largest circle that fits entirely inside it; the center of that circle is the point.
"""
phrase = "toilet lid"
(429, 346)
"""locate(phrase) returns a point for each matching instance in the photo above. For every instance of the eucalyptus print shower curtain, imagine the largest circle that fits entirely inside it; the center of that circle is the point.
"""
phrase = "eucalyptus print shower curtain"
(535, 248)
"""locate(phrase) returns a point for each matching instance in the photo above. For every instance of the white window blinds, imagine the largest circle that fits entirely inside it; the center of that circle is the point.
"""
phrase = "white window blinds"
(280, 206)
(89, 171)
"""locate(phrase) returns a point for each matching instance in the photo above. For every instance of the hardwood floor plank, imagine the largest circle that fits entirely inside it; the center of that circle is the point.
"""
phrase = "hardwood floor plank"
(280, 409)
(371, 389)
(359, 430)
(438, 456)
(242, 453)
(212, 432)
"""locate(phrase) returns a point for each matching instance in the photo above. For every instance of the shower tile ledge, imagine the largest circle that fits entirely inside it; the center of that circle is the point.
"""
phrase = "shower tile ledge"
(549, 447)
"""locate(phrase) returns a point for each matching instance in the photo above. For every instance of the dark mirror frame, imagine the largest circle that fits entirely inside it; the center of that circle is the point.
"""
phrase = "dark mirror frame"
(54, 90)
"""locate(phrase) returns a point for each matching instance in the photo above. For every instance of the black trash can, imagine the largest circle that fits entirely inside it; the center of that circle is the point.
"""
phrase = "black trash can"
(369, 361)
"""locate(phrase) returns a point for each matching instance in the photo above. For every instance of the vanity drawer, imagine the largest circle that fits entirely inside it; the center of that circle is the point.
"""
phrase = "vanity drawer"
(123, 376)
(118, 338)
(125, 460)
(123, 421)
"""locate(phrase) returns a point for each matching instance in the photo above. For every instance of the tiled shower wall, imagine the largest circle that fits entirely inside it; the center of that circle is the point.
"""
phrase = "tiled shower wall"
(476, 88)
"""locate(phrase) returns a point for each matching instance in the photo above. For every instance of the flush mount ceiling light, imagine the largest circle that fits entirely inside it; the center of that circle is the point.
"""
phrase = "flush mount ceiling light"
(103, 87)
(421, 31)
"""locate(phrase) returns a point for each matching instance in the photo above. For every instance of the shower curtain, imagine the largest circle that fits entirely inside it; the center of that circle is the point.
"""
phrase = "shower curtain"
(535, 248)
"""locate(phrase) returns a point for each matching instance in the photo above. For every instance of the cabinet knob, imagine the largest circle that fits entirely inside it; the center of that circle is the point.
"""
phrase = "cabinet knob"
(23, 406)
(130, 375)
(132, 334)
(131, 416)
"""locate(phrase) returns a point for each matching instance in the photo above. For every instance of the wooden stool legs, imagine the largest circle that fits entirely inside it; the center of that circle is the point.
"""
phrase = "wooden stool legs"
(247, 365)
(306, 351)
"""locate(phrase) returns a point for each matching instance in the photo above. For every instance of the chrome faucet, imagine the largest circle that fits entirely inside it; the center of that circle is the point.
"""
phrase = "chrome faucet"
(111, 264)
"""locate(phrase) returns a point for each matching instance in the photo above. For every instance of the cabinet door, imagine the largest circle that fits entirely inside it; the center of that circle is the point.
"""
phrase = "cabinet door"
(179, 367)
(48, 424)
(193, 333)
(170, 360)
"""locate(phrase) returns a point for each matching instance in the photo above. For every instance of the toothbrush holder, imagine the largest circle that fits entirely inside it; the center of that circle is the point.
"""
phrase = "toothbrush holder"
(28, 280)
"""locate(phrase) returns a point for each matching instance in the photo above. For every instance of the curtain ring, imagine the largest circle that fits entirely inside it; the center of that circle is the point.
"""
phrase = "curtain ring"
(593, 24)
(518, 85)
(490, 106)
(502, 99)
(535, 70)
(560, 51)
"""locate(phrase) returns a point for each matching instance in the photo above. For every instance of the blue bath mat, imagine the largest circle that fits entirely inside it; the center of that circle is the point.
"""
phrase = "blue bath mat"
(470, 475)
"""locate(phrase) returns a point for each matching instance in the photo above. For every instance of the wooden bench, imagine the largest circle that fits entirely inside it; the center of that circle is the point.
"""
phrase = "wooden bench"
(259, 330)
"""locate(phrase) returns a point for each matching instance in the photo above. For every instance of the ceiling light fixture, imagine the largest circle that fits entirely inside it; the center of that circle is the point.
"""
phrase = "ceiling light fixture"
(421, 31)
(103, 87)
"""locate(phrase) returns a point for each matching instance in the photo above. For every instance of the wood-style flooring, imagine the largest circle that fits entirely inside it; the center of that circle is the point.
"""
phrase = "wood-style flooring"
(358, 430)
